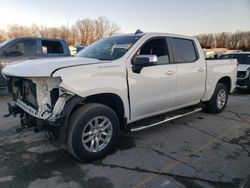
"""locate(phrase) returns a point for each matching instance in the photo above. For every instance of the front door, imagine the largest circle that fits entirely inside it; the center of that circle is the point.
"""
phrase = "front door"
(22, 49)
(152, 90)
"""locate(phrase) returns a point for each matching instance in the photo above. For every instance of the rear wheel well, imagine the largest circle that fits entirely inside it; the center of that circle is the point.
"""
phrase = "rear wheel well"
(227, 81)
(113, 101)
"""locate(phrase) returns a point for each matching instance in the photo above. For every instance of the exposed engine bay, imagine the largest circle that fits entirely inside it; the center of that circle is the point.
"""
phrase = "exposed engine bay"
(40, 101)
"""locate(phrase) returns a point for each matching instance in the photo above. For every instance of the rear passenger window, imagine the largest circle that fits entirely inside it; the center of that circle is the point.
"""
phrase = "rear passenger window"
(184, 50)
(52, 47)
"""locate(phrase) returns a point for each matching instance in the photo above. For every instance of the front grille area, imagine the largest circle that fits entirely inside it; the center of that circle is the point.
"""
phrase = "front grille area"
(29, 93)
(23, 89)
(241, 74)
(54, 95)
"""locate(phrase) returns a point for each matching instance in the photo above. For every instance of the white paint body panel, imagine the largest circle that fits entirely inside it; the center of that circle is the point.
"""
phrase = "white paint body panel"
(43, 67)
(216, 69)
(96, 79)
(152, 91)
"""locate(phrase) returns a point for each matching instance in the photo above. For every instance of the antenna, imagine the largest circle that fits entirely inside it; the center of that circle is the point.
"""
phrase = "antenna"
(138, 31)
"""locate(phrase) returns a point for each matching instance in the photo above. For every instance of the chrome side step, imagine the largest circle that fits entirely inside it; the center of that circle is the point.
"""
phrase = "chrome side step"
(165, 120)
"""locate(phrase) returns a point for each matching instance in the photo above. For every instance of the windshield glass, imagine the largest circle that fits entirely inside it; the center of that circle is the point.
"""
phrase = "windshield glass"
(109, 48)
(241, 58)
(5, 42)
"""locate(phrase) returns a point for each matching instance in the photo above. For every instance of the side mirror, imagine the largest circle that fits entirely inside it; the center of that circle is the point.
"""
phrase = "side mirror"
(145, 60)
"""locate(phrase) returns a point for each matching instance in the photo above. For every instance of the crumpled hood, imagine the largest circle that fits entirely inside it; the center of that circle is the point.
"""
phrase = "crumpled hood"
(44, 67)
(243, 67)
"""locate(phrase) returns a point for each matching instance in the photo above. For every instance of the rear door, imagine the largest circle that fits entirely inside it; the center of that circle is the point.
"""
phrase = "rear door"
(191, 72)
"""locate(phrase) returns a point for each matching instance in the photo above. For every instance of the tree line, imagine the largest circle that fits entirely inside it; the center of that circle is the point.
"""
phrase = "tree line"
(83, 32)
(233, 41)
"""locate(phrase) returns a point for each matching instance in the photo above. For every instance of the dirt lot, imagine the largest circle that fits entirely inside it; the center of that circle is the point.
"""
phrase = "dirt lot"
(201, 150)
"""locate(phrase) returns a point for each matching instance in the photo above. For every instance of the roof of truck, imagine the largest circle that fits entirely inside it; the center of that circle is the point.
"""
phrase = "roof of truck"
(155, 34)
(40, 38)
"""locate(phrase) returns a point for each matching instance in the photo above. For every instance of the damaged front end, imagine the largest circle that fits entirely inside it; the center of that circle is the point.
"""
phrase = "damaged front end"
(40, 102)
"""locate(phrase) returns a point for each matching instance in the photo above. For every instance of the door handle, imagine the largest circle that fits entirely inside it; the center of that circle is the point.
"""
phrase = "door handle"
(170, 72)
(201, 69)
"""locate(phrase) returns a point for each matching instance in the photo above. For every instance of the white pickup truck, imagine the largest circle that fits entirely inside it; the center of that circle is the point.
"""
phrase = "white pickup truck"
(117, 83)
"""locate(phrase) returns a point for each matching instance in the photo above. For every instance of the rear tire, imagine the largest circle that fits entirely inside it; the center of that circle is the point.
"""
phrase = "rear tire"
(219, 99)
(93, 131)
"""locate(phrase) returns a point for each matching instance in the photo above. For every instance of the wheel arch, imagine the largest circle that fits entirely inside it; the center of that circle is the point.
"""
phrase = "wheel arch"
(113, 101)
(109, 99)
(227, 81)
(211, 85)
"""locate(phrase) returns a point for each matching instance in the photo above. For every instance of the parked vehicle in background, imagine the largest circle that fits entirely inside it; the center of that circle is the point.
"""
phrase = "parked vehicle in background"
(232, 51)
(243, 76)
(79, 48)
(20, 49)
(115, 84)
(214, 53)
(75, 49)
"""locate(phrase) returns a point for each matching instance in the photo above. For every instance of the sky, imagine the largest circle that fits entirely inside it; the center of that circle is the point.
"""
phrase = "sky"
(190, 17)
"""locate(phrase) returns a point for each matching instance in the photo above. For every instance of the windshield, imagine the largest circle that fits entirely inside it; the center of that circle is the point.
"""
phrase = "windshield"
(241, 58)
(109, 48)
(5, 42)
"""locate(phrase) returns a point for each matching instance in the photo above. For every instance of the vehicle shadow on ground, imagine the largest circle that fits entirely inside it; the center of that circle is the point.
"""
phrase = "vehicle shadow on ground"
(30, 169)
(37, 170)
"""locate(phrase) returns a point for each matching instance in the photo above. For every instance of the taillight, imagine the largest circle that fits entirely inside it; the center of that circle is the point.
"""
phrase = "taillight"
(238, 63)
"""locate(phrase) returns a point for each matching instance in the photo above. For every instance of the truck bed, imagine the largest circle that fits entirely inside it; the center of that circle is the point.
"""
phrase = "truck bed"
(217, 69)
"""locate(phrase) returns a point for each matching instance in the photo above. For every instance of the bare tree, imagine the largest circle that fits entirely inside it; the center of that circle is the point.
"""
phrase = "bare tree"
(237, 40)
(84, 28)
(83, 32)
(18, 31)
(74, 36)
(43, 31)
(105, 28)
(34, 30)
(247, 40)
(221, 40)
(206, 40)
(2, 36)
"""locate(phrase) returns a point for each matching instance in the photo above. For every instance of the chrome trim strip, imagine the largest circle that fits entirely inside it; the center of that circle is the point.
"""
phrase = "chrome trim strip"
(165, 120)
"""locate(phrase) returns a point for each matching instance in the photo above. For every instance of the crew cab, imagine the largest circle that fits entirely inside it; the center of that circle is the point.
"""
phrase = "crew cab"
(24, 48)
(243, 76)
(117, 83)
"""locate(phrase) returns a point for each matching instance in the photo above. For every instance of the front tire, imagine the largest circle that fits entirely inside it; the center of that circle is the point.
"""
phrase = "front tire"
(219, 99)
(93, 132)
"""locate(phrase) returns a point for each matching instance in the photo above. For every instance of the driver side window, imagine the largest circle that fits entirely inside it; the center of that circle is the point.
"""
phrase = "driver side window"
(156, 47)
(21, 48)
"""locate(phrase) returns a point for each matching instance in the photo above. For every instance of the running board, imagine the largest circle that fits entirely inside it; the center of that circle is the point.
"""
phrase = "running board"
(165, 120)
